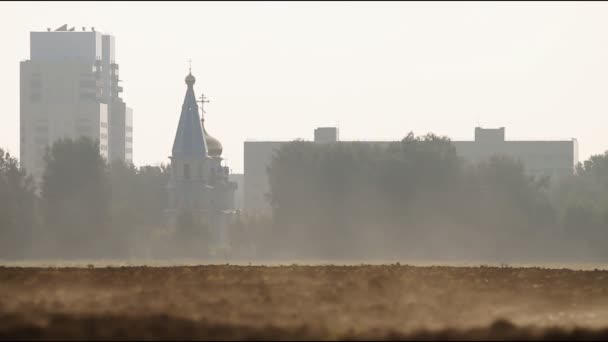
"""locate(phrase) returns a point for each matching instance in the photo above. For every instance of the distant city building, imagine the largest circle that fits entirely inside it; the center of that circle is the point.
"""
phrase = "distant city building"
(327, 134)
(69, 88)
(199, 183)
(540, 158)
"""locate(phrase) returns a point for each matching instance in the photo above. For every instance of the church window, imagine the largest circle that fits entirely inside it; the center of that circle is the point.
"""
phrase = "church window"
(186, 171)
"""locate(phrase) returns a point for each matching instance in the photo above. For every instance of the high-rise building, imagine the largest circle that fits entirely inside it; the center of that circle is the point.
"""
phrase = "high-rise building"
(69, 88)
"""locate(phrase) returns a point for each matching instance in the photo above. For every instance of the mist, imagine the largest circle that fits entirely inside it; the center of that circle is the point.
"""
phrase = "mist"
(411, 201)
(157, 179)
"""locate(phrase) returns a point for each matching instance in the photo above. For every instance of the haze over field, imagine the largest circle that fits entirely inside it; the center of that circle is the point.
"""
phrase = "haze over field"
(388, 302)
(397, 229)
(275, 71)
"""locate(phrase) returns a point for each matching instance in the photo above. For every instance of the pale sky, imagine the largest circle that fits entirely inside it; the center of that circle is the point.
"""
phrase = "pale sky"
(275, 71)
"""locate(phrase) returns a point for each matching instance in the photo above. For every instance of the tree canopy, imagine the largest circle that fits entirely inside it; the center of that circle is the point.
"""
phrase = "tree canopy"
(399, 196)
(18, 207)
(76, 195)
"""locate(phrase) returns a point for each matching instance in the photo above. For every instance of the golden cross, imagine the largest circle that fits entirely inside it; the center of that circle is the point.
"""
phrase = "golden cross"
(203, 100)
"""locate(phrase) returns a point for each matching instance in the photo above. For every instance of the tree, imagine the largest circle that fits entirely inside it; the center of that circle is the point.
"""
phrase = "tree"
(334, 195)
(352, 198)
(586, 192)
(152, 195)
(192, 234)
(76, 197)
(515, 195)
(139, 199)
(18, 208)
(139, 195)
(582, 203)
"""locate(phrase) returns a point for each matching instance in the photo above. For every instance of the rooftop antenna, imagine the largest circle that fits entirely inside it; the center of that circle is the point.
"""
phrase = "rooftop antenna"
(190, 66)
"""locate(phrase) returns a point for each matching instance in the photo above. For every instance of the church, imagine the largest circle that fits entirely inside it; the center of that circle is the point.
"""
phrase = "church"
(198, 181)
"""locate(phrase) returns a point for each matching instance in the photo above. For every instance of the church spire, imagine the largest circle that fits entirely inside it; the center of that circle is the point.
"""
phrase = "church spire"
(190, 137)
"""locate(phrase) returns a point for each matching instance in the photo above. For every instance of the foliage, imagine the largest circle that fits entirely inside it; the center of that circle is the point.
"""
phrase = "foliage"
(412, 198)
(76, 196)
(18, 208)
(192, 235)
(582, 204)
(139, 195)
(344, 199)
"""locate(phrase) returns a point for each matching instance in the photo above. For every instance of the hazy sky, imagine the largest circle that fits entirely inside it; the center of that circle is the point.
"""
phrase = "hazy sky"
(275, 71)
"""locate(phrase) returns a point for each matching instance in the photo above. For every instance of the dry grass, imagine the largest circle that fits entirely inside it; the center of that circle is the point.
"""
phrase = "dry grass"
(302, 302)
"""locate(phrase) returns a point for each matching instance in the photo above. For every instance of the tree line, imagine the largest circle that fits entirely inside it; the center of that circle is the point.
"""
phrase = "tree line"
(415, 198)
(82, 208)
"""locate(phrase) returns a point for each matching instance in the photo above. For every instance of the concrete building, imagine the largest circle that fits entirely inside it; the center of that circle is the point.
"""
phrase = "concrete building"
(327, 134)
(69, 88)
(257, 157)
(540, 158)
(553, 158)
(198, 182)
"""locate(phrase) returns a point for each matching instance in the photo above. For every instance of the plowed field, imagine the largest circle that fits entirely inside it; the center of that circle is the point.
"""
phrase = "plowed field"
(302, 302)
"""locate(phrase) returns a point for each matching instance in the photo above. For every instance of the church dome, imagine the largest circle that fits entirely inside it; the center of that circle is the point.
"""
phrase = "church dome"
(214, 146)
(190, 79)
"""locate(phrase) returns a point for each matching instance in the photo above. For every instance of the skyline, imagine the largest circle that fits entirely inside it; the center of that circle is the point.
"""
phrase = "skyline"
(375, 79)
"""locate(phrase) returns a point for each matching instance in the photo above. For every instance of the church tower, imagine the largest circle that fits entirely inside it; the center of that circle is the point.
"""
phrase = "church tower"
(188, 158)
(199, 182)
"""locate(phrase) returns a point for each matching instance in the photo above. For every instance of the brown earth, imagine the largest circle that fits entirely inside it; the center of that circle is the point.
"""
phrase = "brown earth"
(303, 302)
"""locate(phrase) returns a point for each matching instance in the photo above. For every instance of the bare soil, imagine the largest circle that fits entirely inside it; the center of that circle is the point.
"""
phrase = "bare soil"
(303, 302)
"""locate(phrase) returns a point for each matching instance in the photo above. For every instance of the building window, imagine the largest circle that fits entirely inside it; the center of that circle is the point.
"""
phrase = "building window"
(186, 171)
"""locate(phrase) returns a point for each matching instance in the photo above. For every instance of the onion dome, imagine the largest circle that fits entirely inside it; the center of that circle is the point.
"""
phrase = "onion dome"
(214, 146)
(190, 79)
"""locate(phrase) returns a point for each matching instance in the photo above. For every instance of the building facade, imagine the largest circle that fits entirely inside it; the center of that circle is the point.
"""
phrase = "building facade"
(198, 182)
(540, 158)
(69, 88)
(327, 134)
